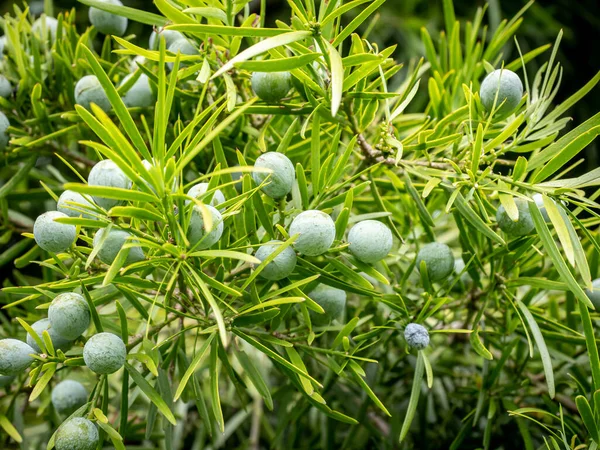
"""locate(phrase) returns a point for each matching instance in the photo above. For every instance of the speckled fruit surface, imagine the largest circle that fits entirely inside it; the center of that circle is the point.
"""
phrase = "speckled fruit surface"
(280, 182)
(106, 22)
(199, 189)
(438, 259)
(104, 353)
(316, 232)
(69, 315)
(416, 336)
(88, 90)
(331, 299)
(140, 94)
(58, 342)
(77, 434)
(68, 396)
(283, 264)
(14, 356)
(271, 87)
(507, 85)
(106, 173)
(52, 236)
(370, 241)
(197, 232)
(522, 226)
(111, 245)
(66, 205)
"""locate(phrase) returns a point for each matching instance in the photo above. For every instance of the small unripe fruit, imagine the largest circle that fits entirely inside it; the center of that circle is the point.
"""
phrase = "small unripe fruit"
(271, 87)
(539, 201)
(58, 342)
(6, 380)
(507, 85)
(370, 241)
(522, 226)
(594, 293)
(66, 205)
(316, 230)
(281, 266)
(5, 87)
(459, 266)
(281, 181)
(332, 300)
(438, 260)
(14, 356)
(106, 22)
(4, 124)
(113, 243)
(104, 353)
(139, 95)
(169, 36)
(69, 315)
(88, 90)
(183, 46)
(107, 173)
(52, 236)
(197, 231)
(68, 396)
(77, 434)
(199, 189)
(49, 24)
(416, 336)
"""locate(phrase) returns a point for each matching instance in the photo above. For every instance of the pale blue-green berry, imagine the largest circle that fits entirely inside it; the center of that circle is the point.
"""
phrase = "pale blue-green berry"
(594, 293)
(47, 24)
(113, 243)
(183, 46)
(438, 260)
(169, 36)
(281, 180)
(69, 315)
(539, 201)
(271, 87)
(52, 236)
(5, 87)
(416, 336)
(58, 342)
(106, 173)
(197, 231)
(14, 356)
(77, 434)
(6, 380)
(281, 266)
(139, 95)
(316, 232)
(104, 353)
(4, 124)
(199, 189)
(522, 226)
(332, 300)
(106, 22)
(459, 266)
(507, 85)
(238, 178)
(88, 90)
(67, 205)
(370, 241)
(68, 396)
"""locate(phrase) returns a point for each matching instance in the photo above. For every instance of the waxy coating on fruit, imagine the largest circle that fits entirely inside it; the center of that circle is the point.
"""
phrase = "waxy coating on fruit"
(6, 380)
(104, 353)
(14, 356)
(88, 90)
(52, 236)
(5, 87)
(49, 24)
(69, 315)
(594, 293)
(539, 201)
(507, 85)
(183, 46)
(332, 300)
(370, 241)
(4, 124)
(200, 189)
(106, 22)
(459, 266)
(111, 245)
(77, 434)
(169, 36)
(281, 180)
(106, 173)
(197, 231)
(271, 87)
(522, 226)
(66, 205)
(416, 336)
(281, 266)
(438, 260)
(140, 94)
(316, 232)
(58, 341)
(68, 396)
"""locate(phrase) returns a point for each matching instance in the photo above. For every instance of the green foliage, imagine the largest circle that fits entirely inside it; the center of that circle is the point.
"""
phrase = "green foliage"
(202, 332)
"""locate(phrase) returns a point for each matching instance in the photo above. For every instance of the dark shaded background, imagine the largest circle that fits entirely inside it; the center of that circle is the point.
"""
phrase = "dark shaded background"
(399, 22)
